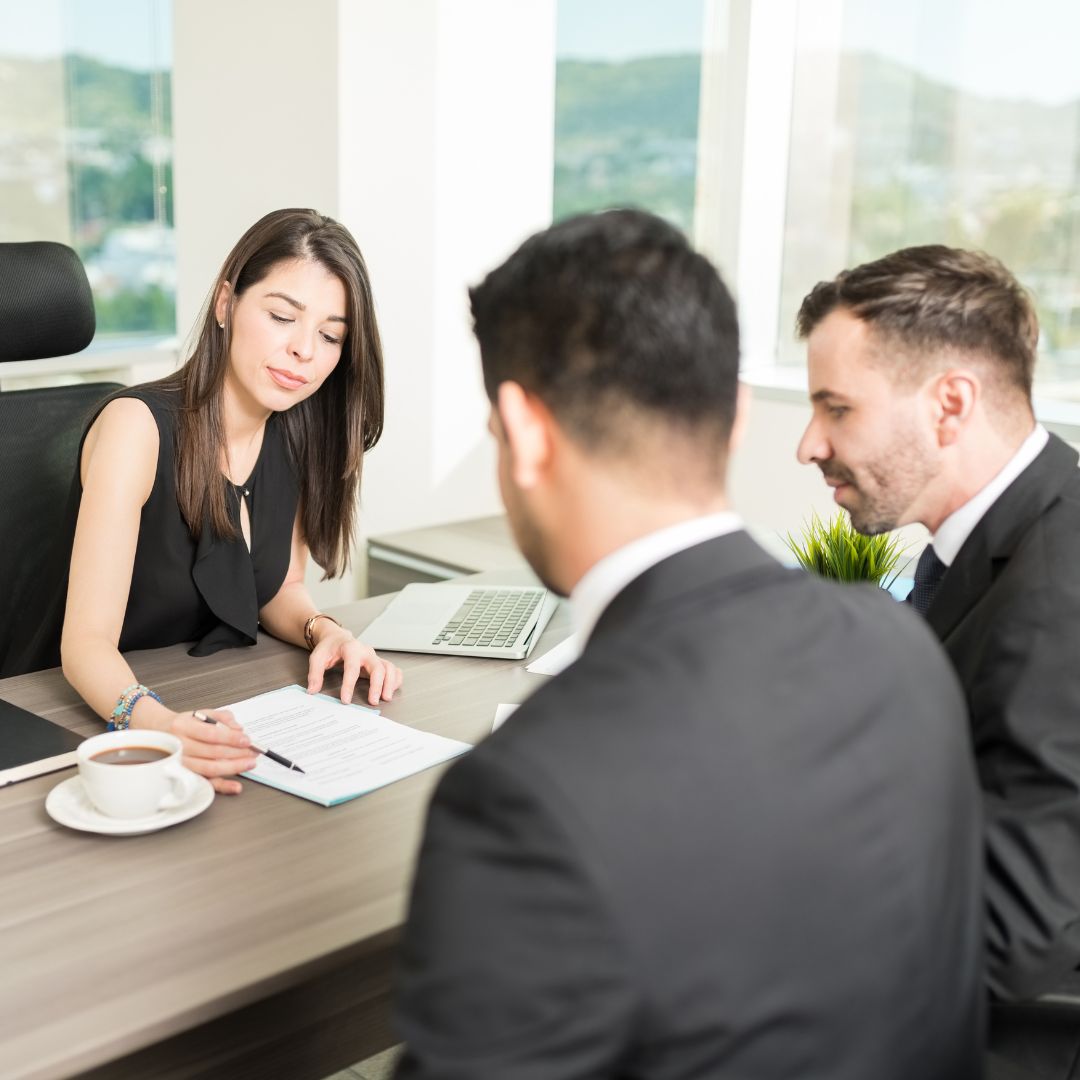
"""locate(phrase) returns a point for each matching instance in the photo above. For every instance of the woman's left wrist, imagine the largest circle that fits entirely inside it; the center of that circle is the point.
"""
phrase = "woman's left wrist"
(318, 626)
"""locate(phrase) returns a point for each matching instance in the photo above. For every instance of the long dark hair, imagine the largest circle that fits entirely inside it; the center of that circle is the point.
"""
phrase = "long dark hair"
(327, 433)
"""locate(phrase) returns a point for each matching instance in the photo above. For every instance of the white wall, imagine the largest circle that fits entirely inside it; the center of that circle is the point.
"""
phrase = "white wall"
(255, 105)
(768, 487)
(447, 120)
(426, 128)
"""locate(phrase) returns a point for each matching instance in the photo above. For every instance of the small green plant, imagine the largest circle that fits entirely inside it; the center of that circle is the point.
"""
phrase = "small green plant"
(836, 550)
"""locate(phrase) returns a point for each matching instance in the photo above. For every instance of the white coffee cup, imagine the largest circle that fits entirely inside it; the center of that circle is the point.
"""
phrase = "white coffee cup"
(122, 789)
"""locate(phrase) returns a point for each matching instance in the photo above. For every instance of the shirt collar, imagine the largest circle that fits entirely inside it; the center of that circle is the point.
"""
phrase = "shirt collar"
(604, 580)
(958, 526)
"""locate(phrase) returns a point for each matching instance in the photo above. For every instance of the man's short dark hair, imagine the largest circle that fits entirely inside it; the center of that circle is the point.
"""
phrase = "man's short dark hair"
(608, 315)
(933, 299)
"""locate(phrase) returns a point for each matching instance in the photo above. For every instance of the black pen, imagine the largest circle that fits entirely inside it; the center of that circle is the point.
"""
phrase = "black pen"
(199, 715)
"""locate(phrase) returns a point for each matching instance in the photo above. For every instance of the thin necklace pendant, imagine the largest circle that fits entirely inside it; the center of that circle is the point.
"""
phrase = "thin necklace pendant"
(228, 470)
(241, 492)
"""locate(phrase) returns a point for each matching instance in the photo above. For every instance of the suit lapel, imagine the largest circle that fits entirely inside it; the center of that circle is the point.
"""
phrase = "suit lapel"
(734, 561)
(995, 538)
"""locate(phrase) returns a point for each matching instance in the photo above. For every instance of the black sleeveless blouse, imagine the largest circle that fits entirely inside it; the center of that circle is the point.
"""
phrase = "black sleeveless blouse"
(208, 591)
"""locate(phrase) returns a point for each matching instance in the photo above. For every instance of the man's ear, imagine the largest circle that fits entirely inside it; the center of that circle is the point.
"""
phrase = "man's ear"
(955, 395)
(221, 302)
(742, 417)
(526, 426)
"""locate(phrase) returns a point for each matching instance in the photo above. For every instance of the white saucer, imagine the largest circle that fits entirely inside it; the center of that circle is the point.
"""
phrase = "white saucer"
(68, 804)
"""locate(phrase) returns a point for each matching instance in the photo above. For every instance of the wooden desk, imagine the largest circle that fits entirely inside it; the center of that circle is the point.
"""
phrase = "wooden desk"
(255, 940)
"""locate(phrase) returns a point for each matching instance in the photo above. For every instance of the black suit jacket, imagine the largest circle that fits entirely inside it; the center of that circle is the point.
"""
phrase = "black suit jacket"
(739, 837)
(1008, 613)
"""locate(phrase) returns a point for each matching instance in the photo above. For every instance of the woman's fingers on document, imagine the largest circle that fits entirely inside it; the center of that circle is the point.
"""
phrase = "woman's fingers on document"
(221, 717)
(223, 734)
(328, 653)
(220, 771)
(384, 678)
(217, 751)
(392, 683)
(356, 659)
(212, 767)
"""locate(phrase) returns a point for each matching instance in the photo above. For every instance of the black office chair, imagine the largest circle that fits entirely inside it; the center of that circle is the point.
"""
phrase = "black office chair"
(46, 310)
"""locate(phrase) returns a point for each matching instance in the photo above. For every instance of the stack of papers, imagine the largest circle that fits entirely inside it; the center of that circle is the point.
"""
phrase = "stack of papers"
(502, 714)
(345, 750)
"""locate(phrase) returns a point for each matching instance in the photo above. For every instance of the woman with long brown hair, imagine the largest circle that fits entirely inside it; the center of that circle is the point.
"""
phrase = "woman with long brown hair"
(203, 493)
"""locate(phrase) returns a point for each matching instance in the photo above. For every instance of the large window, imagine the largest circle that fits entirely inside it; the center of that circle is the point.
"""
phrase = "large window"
(86, 150)
(939, 121)
(793, 138)
(627, 89)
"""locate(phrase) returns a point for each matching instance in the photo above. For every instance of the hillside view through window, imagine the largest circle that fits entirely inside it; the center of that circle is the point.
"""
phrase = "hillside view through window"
(919, 123)
(627, 83)
(86, 153)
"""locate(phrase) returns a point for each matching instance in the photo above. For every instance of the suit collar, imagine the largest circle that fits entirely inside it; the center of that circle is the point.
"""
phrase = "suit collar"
(732, 560)
(950, 535)
(609, 575)
(999, 532)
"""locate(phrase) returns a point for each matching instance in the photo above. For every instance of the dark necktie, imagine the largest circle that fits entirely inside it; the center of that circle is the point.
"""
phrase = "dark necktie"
(928, 575)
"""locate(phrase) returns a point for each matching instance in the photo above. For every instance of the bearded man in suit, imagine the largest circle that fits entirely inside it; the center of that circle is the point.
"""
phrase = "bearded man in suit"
(920, 372)
(739, 836)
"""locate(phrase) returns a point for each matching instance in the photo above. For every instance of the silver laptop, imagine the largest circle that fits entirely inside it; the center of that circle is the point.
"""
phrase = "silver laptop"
(463, 620)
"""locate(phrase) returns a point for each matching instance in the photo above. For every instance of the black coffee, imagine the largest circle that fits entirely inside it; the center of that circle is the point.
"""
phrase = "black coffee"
(130, 755)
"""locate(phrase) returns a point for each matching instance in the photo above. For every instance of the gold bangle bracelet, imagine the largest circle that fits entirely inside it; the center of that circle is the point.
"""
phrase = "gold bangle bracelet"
(309, 627)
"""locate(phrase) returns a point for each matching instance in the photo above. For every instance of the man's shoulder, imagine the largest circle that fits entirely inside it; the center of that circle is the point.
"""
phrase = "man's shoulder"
(763, 629)
(1061, 520)
(1044, 518)
(701, 664)
(1047, 555)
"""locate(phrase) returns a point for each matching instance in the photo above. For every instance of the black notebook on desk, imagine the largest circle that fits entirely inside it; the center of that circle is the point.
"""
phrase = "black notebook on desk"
(30, 745)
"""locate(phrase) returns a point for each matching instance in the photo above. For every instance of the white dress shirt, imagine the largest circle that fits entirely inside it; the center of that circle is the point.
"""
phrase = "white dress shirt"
(958, 526)
(607, 578)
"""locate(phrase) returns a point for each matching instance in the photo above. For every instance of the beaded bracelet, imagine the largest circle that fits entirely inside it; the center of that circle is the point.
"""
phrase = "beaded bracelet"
(121, 715)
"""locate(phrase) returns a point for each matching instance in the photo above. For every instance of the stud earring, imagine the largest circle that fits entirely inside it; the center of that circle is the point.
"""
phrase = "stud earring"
(221, 325)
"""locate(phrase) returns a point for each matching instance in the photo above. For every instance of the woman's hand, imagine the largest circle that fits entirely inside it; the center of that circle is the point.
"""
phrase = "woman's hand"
(217, 751)
(335, 645)
(292, 616)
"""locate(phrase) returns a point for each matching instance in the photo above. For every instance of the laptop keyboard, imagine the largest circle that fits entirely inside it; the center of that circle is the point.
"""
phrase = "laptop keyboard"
(490, 618)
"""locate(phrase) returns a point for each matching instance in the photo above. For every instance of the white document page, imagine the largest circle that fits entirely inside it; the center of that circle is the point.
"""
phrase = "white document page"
(502, 714)
(345, 750)
(554, 660)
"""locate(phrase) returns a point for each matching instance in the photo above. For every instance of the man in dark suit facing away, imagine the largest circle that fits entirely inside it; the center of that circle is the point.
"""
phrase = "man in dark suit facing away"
(739, 836)
(921, 368)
